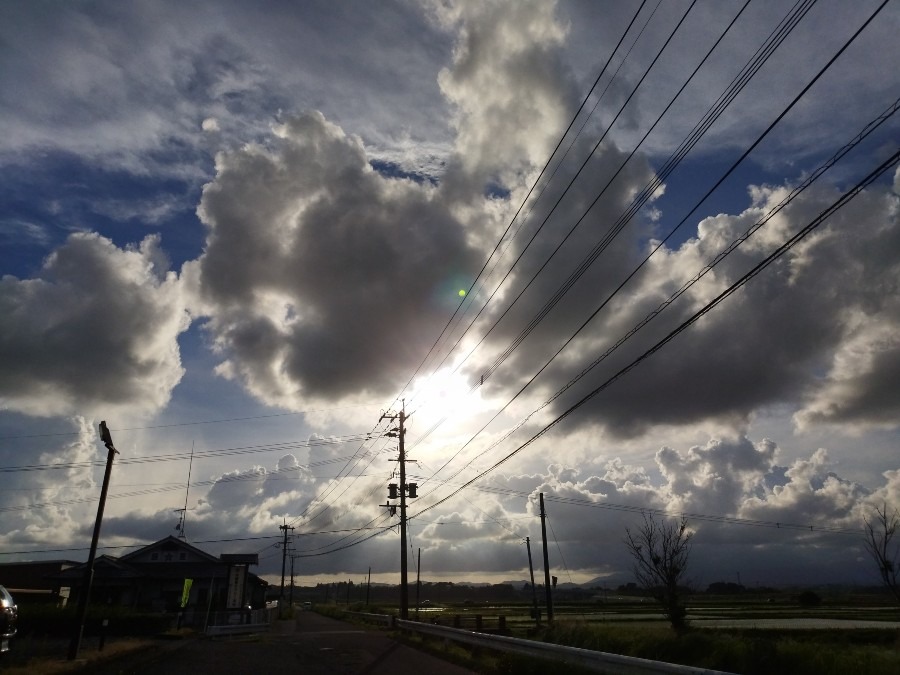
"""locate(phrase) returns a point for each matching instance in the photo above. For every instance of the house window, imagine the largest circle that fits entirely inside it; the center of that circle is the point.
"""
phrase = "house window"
(154, 556)
(182, 556)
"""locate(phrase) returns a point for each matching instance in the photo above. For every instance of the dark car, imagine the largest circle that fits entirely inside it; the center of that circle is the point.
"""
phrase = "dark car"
(8, 615)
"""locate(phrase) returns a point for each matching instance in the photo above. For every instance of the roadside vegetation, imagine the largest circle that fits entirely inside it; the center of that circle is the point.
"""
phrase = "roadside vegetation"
(751, 652)
(818, 652)
(637, 627)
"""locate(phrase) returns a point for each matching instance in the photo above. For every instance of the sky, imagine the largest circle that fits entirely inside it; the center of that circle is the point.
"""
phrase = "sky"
(640, 258)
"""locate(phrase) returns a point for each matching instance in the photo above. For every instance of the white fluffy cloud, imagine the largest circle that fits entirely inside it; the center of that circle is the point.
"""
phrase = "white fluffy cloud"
(97, 328)
(60, 488)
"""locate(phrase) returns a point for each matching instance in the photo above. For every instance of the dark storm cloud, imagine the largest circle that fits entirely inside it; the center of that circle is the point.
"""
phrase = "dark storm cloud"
(326, 279)
(819, 308)
(322, 277)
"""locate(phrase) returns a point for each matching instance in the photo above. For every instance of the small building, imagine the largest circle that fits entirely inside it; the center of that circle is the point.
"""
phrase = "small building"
(31, 582)
(171, 575)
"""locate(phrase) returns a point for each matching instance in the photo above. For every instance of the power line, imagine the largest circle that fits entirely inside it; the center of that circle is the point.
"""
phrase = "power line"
(815, 175)
(553, 210)
(775, 255)
(194, 543)
(196, 423)
(171, 457)
(525, 200)
(346, 546)
(175, 487)
(776, 37)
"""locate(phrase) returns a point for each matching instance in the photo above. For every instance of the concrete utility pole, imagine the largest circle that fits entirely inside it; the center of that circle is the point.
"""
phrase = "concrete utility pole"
(293, 558)
(84, 597)
(402, 489)
(546, 562)
(418, 580)
(537, 616)
(284, 550)
(404, 583)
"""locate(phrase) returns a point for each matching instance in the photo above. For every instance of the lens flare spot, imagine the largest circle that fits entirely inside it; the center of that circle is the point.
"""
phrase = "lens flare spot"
(462, 292)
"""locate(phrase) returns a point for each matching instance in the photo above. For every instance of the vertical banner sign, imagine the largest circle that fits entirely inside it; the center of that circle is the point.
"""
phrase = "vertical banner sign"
(186, 592)
(236, 577)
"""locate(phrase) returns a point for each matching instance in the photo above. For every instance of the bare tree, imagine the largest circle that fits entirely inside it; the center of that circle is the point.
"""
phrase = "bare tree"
(884, 548)
(660, 550)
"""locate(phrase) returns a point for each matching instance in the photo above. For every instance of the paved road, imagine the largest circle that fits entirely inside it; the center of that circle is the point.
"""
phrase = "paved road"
(313, 645)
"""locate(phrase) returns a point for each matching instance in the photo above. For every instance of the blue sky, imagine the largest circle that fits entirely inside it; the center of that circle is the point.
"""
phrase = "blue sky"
(242, 229)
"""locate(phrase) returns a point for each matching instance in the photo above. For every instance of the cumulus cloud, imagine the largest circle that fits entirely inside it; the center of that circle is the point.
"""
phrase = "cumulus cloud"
(859, 390)
(310, 250)
(734, 493)
(98, 327)
(58, 504)
(337, 242)
(127, 86)
(507, 71)
(767, 345)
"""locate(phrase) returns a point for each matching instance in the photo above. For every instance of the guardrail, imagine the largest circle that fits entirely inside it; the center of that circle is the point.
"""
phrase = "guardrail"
(235, 622)
(602, 662)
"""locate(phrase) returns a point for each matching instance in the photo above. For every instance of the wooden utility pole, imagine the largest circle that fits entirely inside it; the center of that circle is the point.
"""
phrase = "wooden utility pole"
(85, 596)
(368, 585)
(546, 562)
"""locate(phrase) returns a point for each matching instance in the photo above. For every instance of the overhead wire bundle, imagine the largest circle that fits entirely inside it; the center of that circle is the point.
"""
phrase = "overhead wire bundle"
(454, 332)
(802, 7)
(778, 35)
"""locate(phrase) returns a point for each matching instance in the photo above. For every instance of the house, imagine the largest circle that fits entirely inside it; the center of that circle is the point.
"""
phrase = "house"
(31, 581)
(170, 575)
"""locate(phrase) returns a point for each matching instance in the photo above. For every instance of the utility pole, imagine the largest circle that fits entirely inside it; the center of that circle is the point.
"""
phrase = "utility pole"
(368, 585)
(187, 489)
(393, 489)
(418, 580)
(404, 588)
(537, 617)
(293, 557)
(85, 595)
(284, 550)
(546, 562)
